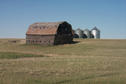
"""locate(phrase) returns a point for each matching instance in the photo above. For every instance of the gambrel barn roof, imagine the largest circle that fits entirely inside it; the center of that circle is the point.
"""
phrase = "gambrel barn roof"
(44, 28)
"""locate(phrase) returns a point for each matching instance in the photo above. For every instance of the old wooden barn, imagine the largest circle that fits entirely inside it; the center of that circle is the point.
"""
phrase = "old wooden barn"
(50, 33)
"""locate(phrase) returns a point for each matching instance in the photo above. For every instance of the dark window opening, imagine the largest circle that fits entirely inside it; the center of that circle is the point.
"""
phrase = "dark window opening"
(33, 41)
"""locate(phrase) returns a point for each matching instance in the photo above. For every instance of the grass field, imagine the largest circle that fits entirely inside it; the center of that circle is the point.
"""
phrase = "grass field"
(86, 62)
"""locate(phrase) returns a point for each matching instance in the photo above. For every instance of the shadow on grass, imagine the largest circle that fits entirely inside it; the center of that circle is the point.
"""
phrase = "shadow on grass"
(14, 55)
(74, 42)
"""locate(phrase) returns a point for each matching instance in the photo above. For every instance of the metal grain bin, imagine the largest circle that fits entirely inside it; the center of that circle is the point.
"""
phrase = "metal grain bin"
(95, 33)
(86, 33)
(79, 32)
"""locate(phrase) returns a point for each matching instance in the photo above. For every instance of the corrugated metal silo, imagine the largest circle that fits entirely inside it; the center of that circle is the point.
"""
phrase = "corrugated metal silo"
(86, 33)
(95, 33)
(79, 32)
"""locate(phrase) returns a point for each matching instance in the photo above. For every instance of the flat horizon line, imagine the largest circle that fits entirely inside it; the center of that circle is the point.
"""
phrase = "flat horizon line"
(78, 38)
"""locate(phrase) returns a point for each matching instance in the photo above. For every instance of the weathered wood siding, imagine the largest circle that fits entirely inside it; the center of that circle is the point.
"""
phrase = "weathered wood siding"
(40, 39)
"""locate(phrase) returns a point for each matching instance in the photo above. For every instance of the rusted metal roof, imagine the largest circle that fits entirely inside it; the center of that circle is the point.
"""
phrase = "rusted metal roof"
(44, 28)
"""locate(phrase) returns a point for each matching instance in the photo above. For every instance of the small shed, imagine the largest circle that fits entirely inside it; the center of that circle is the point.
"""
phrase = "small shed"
(49, 33)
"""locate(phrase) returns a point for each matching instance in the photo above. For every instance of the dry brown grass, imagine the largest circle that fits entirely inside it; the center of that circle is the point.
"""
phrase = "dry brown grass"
(87, 62)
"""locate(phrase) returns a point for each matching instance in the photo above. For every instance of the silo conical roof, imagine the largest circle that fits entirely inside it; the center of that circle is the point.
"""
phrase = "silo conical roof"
(95, 28)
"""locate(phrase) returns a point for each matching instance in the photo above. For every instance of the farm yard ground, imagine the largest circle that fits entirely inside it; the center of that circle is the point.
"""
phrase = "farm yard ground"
(88, 61)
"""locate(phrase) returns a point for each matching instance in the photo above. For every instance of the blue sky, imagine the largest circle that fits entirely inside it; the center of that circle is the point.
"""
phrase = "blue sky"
(108, 15)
